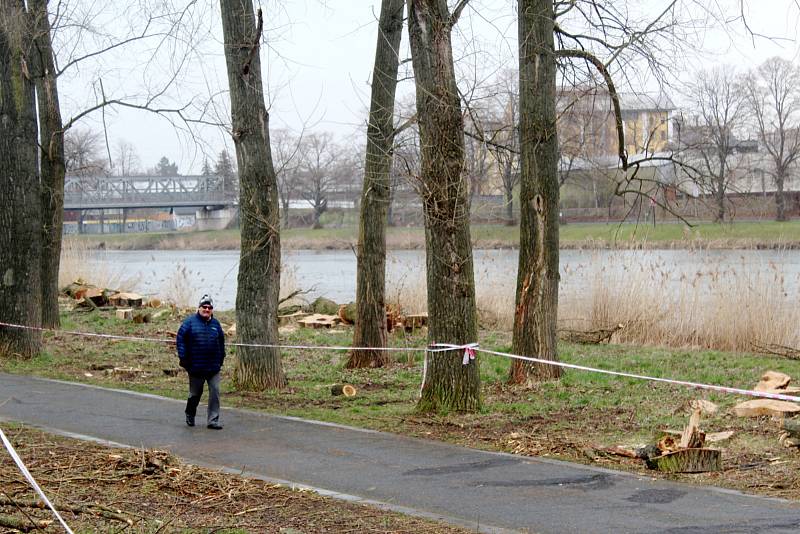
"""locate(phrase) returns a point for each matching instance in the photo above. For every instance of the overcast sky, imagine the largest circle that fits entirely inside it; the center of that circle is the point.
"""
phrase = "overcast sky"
(318, 61)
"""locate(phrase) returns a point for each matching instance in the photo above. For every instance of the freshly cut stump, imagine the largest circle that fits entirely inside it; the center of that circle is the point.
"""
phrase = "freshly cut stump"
(688, 461)
(343, 389)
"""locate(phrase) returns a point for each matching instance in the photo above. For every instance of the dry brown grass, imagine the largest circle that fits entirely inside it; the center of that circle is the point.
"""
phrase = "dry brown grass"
(78, 261)
(104, 489)
(724, 307)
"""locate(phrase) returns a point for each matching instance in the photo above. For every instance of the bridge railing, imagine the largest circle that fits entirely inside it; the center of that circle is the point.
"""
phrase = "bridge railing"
(85, 192)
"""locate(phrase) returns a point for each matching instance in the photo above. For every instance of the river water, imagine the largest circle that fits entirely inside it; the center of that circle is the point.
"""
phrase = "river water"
(184, 275)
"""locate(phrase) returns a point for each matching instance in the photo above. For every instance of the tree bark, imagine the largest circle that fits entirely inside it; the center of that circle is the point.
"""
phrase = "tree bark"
(52, 170)
(780, 199)
(20, 217)
(537, 278)
(448, 385)
(370, 330)
(257, 368)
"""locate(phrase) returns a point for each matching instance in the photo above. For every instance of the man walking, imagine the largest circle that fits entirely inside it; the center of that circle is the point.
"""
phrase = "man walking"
(201, 350)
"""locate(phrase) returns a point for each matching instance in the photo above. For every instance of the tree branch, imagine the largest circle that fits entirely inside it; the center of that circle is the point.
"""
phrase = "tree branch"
(612, 90)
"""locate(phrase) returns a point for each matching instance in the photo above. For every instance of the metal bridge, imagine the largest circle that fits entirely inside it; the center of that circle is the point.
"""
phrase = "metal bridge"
(114, 192)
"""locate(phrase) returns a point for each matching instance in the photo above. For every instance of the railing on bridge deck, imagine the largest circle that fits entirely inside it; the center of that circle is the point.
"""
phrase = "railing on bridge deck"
(97, 192)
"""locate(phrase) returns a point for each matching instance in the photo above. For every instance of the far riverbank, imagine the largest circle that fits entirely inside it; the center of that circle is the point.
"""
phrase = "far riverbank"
(740, 235)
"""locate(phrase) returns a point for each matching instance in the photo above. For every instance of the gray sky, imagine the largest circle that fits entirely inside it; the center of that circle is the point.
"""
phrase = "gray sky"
(319, 58)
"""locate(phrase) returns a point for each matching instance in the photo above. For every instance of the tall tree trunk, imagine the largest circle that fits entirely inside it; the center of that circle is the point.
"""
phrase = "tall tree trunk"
(257, 368)
(448, 385)
(370, 328)
(20, 216)
(780, 200)
(719, 197)
(509, 207)
(537, 278)
(51, 134)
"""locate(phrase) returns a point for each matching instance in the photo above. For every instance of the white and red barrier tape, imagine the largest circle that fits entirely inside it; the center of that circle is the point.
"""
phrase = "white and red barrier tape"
(31, 480)
(468, 354)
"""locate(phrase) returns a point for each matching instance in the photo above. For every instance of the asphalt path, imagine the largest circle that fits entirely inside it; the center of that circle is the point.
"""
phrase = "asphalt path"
(484, 491)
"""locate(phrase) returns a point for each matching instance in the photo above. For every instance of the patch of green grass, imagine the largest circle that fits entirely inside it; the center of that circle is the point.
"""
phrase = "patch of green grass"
(340, 232)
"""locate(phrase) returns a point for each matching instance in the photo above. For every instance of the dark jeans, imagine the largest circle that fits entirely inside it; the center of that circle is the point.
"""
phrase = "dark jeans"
(196, 383)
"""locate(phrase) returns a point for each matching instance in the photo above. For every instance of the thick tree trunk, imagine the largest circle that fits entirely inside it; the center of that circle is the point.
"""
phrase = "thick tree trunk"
(780, 199)
(258, 368)
(20, 216)
(537, 278)
(370, 328)
(51, 133)
(448, 385)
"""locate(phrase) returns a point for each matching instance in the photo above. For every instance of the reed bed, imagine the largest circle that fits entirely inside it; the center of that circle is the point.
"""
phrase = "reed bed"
(733, 307)
(79, 261)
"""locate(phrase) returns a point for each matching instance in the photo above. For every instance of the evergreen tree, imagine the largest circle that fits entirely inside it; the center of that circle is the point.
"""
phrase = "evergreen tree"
(165, 168)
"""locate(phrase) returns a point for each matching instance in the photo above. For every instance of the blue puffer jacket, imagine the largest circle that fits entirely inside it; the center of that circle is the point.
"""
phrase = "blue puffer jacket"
(201, 345)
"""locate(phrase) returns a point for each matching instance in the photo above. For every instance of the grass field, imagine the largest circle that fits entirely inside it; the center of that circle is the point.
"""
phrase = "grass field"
(765, 234)
(575, 418)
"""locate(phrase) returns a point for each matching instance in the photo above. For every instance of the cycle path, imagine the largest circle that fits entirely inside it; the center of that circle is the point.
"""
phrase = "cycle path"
(484, 491)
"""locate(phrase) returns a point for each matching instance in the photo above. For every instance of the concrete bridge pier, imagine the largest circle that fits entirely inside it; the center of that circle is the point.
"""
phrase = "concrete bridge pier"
(214, 217)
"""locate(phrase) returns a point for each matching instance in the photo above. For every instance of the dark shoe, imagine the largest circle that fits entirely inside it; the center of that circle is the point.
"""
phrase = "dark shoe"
(190, 420)
(214, 426)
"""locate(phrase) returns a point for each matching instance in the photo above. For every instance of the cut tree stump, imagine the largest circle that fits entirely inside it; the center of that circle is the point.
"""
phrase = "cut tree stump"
(132, 300)
(348, 313)
(692, 437)
(759, 407)
(142, 317)
(792, 426)
(688, 461)
(319, 320)
(772, 380)
(124, 313)
(292, 318)
(343, 389)
(412, 322)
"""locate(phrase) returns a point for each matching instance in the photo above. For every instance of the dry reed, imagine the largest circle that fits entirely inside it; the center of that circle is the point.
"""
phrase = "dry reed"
(78, 262)
(720, 306)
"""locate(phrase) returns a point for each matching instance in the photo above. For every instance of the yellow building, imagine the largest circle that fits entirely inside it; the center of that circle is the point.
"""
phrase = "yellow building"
(586, 123)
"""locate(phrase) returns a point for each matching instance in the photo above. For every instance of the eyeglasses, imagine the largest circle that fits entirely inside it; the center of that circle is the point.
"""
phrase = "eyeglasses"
(207, 307)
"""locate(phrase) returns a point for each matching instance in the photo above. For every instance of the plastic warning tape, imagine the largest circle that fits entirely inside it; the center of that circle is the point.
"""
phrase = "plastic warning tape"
(27, 474)
(467, 350)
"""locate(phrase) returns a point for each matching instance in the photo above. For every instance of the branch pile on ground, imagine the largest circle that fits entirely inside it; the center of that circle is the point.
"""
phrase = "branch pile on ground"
(103, 489)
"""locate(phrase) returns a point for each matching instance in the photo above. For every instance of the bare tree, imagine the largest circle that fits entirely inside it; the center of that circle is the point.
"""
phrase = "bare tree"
(318, 173)
(719, 100)
(259, 367)
(287, 159)
(82, 152)
(371, 252)
(503, 131)
(448, 384)
(127, 160)
(773, 97)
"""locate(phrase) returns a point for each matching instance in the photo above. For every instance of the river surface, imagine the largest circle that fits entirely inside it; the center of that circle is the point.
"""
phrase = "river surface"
(184, 275)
